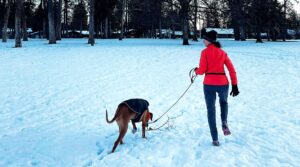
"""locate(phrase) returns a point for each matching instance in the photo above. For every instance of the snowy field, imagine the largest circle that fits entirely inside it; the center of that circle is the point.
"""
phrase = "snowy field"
(53, 100)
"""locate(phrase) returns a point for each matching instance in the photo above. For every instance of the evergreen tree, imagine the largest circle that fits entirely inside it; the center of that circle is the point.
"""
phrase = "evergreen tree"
(79, 19)
(39, 15)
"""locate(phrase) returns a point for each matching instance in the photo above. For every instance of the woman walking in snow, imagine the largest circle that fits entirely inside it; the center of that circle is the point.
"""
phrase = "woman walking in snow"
(212, 62)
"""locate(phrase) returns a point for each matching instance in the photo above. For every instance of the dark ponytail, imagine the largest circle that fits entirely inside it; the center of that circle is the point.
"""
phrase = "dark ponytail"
(217, 44)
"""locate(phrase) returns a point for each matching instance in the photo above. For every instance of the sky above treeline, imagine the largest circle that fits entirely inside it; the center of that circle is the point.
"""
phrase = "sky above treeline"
(297, 6)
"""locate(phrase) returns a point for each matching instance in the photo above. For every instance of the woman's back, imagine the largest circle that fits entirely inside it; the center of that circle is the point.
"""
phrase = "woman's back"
(212, 63)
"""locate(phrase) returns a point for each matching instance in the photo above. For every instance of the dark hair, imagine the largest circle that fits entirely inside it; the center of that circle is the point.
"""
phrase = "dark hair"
(217, 44)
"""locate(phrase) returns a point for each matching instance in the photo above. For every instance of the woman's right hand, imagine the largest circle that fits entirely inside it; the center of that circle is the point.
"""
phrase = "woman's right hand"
(234, 91)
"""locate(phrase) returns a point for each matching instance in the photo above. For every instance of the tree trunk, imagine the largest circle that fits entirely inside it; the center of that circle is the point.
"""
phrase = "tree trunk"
(151, 34)
(184, 14)
(24, 24)
(284, 29)
(52, 35)
(101, 29)
(274, 34)
(236, 31)
(273, 23)
(44, 20)
(97, 29)
(258, 34)
(268, 34)
(195, 38)
(242, 32)
(122, 20)
(109, 30)
(6, 18)
(160, 29)
(66, 5)
(18, 16)
(44, 28)
(172, 20)
(159, 19)
(173, 36)
(3, 7)
(106, 28)
(185, 32)
(58, 20)
(126, 17)
(80, 27)
(91, 23)
(234, 10)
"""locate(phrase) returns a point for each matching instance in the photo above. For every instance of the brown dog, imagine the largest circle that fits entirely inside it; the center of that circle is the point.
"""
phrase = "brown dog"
(135, 110)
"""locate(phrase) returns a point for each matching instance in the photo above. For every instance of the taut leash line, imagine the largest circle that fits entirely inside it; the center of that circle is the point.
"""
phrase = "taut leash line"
(192, 77)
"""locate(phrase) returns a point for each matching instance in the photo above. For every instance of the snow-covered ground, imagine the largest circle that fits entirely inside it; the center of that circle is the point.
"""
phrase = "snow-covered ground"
(53, 100)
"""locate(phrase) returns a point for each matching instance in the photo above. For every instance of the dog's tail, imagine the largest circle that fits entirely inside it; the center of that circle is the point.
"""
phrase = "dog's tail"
(110, 121)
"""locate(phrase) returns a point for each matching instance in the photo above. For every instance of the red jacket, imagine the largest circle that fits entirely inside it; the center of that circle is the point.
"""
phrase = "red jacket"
(212, 61)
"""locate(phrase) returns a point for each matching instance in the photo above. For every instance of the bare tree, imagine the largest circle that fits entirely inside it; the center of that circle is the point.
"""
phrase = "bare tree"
(66, 15)
(284, 29)
(234, 6)
(195, 38)
(122, 20)
(24, 23)
(52, 35)
(91, 23)
(172, 11)
(6, 18)
(184, 12)
(44, 19)
(106, 27)
(159, 10)
(18, 13)
(58, 20)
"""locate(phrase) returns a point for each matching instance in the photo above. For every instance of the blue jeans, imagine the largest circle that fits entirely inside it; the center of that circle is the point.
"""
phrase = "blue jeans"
(210, 99)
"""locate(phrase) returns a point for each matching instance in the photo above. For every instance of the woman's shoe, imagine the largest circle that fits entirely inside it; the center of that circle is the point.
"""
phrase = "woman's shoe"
(216, 143)
(225, 129)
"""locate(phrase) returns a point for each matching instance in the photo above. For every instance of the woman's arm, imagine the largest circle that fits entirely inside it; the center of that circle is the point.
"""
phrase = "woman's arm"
(202, 64)
(231, 70)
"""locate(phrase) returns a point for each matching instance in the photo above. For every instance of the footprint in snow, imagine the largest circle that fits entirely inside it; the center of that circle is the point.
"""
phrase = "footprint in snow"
(102, 152)
(89, 163)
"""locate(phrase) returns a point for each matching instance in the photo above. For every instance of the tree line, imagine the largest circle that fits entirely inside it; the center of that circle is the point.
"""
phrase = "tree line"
(57, 19)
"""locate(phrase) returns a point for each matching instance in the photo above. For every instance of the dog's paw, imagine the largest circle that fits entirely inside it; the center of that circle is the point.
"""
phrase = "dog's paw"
(133, 131)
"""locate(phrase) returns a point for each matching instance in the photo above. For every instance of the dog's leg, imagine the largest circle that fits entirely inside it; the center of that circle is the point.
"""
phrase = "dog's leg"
(134, 127)
(143, 130)
(116, 143)
(145, 120)
(121, 135)
(121, 142)
(123, 132)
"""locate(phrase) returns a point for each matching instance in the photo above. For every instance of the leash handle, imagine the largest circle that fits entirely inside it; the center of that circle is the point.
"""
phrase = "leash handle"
(192, 74)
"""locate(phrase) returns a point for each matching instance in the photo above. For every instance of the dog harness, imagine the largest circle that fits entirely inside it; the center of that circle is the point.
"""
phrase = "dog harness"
(138, 106)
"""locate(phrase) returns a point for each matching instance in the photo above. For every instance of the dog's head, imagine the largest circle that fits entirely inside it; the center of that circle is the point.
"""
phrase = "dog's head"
(149, 116)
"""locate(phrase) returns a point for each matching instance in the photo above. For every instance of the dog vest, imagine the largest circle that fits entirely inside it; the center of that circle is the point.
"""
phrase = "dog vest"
(138, 106)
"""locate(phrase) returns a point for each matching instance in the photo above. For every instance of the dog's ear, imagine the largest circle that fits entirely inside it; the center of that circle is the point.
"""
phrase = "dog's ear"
(148, 116)
(151, 116)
